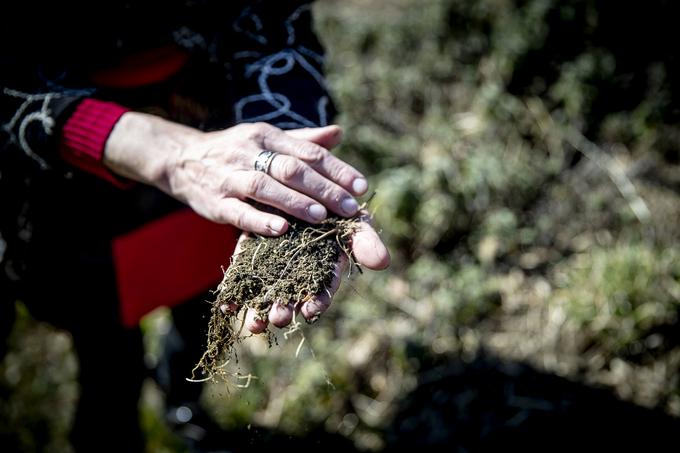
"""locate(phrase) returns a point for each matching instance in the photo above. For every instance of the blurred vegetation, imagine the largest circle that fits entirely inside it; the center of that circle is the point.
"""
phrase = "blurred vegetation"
(37, 387)
(525, 155)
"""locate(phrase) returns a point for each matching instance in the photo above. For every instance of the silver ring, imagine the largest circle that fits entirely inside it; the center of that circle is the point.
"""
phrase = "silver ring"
(264, 160)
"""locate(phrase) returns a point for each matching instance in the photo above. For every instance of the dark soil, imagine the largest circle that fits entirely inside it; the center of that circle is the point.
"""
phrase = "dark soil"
(290, 269)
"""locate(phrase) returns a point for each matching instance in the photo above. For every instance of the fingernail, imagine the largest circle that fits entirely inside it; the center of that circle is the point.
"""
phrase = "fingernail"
(359, 186)
(277, 225)
(350, 206)
(313, 319)
(317, 212)
(228, 309)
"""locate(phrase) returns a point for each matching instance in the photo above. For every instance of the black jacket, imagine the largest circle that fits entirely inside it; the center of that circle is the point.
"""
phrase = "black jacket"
(250, 61)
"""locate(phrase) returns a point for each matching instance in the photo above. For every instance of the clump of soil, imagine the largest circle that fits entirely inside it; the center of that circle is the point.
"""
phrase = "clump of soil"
(290, 268)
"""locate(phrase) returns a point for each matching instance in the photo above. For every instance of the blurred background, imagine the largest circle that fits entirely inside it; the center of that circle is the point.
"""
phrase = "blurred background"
(526, 160)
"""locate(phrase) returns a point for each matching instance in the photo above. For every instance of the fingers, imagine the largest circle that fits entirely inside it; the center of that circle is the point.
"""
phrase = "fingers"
(293, 187)
(267, 190)
(328, 137)
(318, 304)
(239, 244)
(216, 175)
(245, 217)
(254, 323)
(296, 174)
(303, 178)
(368, 249)
(317, 157)
(280, 315)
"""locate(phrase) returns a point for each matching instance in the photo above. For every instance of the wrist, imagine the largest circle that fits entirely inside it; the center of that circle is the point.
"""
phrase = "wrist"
(145, 148)
(83, 136)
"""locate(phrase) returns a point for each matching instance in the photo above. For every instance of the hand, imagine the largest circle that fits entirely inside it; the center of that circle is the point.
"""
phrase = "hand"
(368, 250)
(213, 172)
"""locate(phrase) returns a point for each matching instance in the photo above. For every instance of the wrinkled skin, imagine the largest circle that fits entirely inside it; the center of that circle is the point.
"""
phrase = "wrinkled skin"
(213, 173)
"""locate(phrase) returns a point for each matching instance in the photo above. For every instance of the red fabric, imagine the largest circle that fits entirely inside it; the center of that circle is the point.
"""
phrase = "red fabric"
(172, 259)
(84, 136)
(85, 133)
(168, 261)
(142, 68)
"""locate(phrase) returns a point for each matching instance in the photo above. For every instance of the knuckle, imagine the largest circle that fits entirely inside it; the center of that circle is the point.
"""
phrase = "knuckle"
(240, 219)
(255, 131)
(215, 214)
(254, 184)
(263, 131)
(312, 153)
(331, 194)
(226, 188)
(290, 169)
(222, 214)
(343, 175)
(244, 128)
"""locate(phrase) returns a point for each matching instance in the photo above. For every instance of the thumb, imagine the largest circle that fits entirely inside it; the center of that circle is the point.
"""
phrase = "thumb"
(328, 136)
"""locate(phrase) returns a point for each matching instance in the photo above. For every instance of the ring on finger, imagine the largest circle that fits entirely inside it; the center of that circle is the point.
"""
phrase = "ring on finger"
(264, 160)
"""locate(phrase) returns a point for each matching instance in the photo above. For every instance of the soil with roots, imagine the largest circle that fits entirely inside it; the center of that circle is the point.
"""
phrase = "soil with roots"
(289, 269)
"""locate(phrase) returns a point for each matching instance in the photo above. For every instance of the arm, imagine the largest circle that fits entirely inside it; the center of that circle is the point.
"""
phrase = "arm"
(213, 171)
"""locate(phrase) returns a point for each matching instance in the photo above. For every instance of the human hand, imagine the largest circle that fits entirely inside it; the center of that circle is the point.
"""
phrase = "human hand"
(214, 172)
(368, 251)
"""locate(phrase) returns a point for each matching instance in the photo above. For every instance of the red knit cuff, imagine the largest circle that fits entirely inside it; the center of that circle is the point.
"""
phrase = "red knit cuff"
(84, 136)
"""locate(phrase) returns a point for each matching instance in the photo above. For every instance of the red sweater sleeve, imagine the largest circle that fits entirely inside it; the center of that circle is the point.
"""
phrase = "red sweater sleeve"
(84, 135)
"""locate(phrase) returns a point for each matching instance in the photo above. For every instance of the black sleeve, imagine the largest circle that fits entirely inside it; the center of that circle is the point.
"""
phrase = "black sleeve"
(31, 113)
(277, 64)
